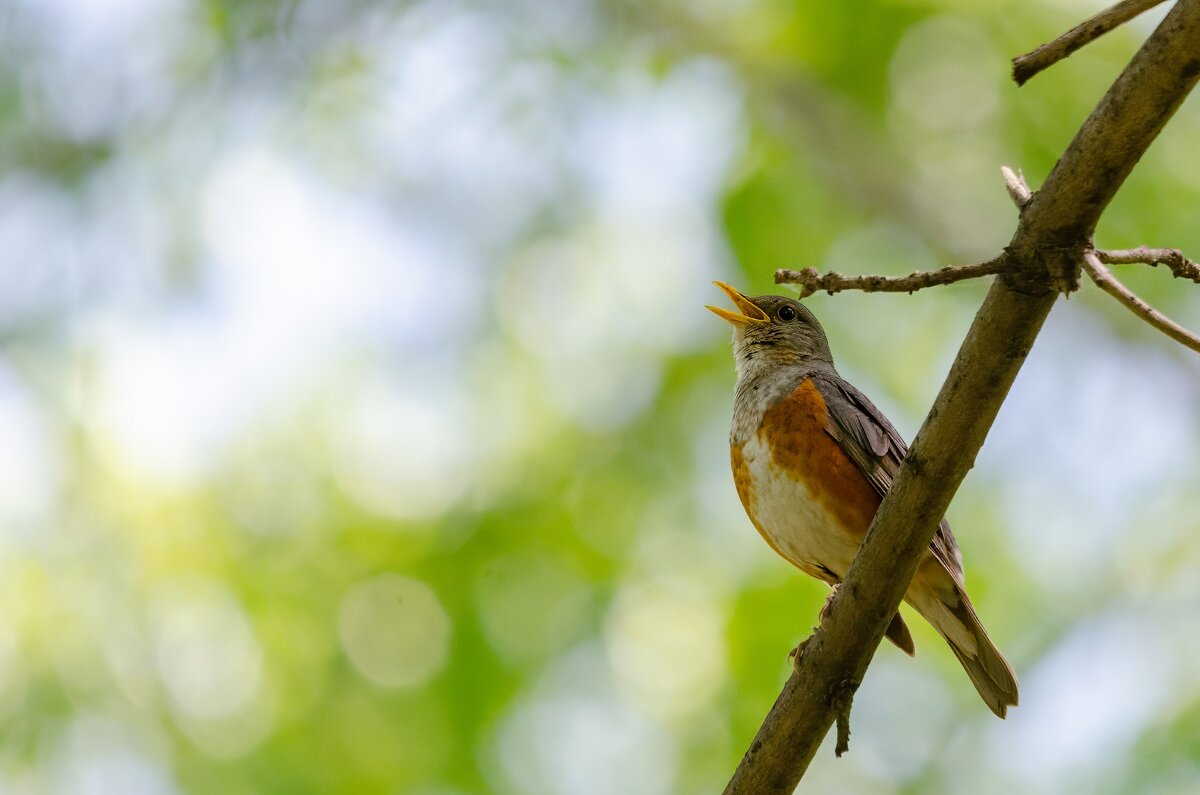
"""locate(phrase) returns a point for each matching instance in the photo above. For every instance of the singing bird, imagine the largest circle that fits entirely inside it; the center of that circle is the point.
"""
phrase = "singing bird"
(812, 458)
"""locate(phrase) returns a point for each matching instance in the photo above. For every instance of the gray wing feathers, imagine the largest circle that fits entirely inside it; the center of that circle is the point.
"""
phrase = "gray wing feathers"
(877, 448)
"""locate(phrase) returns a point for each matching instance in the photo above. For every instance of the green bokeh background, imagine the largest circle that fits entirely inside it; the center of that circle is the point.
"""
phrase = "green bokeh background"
(364, 430)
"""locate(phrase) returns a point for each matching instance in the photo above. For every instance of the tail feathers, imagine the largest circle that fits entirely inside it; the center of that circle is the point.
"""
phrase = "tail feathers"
(991, 674)
(897, 633)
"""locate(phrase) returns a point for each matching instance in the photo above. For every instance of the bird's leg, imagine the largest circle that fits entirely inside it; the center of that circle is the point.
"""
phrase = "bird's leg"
(824, 614)
(795, 654)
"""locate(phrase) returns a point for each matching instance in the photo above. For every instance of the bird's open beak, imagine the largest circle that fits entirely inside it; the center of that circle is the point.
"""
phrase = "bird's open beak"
(750, 312)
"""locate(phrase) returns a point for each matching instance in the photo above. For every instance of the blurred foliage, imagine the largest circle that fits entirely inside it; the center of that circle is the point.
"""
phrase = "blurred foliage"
(364, 431)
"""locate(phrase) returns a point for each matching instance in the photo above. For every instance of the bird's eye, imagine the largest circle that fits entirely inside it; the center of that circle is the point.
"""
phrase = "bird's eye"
(787, 313)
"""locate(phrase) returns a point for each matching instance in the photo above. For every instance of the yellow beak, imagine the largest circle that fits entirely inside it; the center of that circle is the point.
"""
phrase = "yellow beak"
(750, 312)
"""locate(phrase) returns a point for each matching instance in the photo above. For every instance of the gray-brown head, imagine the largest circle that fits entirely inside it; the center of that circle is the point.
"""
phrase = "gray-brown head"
(773, 331)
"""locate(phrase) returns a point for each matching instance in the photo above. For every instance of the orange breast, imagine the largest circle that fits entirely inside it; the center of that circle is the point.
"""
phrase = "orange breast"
(794, 430)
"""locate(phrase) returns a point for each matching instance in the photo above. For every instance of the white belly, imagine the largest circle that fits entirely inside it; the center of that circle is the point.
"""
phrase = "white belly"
(796, 524)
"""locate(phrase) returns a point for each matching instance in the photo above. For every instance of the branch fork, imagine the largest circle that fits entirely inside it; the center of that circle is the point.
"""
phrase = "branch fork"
(1093, 264)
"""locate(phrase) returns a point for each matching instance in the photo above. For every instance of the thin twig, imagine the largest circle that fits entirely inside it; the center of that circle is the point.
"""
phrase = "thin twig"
(811, 281)
(1104, 279)
(1027, 65)
(1181, 267)
(1018, 190)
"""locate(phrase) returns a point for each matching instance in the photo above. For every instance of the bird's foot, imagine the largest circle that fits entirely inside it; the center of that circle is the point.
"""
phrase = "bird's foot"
(824, 614)
(795, 654)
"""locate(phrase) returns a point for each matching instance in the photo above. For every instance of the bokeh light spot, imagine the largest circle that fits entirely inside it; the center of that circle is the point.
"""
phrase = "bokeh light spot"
(30, 466)
(394, 630)
(402, 452)
(944, 75)
(532, 603)
(666, 647)
(573, 735)
(208, 655)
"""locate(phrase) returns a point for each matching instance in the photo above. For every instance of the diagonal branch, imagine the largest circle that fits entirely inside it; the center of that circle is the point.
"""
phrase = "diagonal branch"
(811, 281)
(1042, 255)
(1027, 65)
(1104, 279)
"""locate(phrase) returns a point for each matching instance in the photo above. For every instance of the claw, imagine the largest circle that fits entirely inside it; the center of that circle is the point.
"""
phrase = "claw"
(795, 654)
(824, 614)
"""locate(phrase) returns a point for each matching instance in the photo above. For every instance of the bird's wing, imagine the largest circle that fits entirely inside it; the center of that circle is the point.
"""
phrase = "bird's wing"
(877, 448)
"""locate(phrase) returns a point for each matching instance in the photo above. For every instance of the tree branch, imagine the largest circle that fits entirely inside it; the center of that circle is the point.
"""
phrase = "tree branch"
(1053, 229)
(1027, 65)
(1110, 284)
(811, 281)
(1181, 267)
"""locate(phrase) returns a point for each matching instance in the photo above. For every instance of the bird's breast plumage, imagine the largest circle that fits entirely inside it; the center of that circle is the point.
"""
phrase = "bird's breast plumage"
(805, 496)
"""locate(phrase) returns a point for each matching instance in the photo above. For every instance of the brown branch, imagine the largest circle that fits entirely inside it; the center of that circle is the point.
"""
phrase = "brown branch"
(1181, 267)
(1053, 229)
(1027, 65)
(1104, 279)
(811, 281)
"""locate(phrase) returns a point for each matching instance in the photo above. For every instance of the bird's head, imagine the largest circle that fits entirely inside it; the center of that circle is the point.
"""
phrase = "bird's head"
(773, 330)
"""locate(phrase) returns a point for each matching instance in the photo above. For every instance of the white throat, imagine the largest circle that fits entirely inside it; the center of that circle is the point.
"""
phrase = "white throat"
(761, 383)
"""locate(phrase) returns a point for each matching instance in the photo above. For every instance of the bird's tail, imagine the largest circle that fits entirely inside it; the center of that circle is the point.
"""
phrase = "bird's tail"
(897, 632)
(991, 674)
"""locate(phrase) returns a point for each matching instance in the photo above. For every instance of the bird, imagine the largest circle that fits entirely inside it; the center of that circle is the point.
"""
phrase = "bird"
(812, 459)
